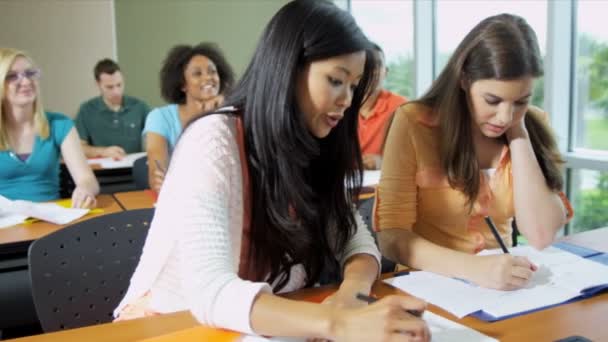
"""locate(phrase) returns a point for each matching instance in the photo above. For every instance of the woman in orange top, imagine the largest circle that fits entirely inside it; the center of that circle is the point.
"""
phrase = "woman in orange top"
(376, 114)
(472, 147)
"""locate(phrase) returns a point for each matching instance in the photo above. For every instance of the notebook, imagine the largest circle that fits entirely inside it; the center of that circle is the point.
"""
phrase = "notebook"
(562, 277)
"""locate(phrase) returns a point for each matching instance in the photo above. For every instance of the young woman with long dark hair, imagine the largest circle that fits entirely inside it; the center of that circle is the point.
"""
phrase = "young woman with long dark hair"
(255, 200)
(472, 147)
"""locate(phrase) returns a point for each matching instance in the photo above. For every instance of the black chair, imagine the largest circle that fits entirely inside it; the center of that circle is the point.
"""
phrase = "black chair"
(140, 173)
(366, 208)
(80, 273)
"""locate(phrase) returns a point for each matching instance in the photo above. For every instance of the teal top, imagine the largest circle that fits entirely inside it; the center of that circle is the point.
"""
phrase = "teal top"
(165, 121)
(98, 125)
(37, 177)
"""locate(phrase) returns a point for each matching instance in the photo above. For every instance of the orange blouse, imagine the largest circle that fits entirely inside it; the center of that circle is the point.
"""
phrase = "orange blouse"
(414, 192)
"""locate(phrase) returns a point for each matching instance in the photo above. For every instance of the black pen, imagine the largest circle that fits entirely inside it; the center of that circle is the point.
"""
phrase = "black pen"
(370, 300)
(495, 233)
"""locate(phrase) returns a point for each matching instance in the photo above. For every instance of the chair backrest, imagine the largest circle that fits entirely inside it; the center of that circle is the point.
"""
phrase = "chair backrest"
(140, 173)
(80, 273)
(366, 208)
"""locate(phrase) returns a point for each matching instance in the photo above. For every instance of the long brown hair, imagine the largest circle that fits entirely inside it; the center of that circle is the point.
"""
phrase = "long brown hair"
(502, 47)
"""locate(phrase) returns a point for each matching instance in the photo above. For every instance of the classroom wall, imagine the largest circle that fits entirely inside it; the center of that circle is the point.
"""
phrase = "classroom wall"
(65, 38)
(147, 29)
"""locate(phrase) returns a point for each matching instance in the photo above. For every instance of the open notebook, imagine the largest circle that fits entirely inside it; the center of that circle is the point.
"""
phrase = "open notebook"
(442, 330)
(562, 277)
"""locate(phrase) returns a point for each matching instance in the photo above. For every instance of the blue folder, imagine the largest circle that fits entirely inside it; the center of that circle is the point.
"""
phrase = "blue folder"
(589, 292)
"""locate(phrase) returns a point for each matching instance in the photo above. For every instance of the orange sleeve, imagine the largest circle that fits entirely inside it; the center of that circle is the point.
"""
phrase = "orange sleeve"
(396, 194)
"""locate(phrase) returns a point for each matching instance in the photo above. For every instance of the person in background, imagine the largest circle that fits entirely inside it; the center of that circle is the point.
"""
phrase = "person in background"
(193, 79)
(255, 200)
(376, 114)
(32, 141)
(110, 125)
(473, 147)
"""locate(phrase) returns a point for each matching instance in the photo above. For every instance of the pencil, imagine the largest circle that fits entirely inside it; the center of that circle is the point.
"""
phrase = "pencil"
(158, 166)
(496, 235)
(370, 300)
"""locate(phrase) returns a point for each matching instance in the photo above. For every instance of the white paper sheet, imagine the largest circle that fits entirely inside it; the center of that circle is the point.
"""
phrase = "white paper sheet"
(49, 212)
(371, 178)
(110, 163)
(561, 276)
(442, 330)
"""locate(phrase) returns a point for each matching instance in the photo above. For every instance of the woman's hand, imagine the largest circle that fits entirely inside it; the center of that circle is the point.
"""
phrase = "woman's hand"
(372, 161)
(517, 129)
(384, 320)
(212, 103)
(114, 152)
(81, 198)
(503, 271)
(159, 178)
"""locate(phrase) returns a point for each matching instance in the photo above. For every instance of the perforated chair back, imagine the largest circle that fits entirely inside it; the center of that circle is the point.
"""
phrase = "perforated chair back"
(366, 208)
(80, 273)
(140, 173)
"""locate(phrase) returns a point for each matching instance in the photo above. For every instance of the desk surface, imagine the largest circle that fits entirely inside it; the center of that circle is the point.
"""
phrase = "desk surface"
(594, 239)
(136, 199)
(22, 233)
(584, 317)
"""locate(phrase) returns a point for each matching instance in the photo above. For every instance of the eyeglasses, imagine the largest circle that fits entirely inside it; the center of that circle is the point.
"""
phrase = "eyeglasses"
(30, 74)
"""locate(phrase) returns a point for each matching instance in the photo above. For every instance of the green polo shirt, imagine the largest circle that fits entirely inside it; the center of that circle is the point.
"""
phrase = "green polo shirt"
(98, 125)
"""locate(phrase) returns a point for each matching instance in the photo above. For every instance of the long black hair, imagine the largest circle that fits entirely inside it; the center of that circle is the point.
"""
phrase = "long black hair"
(302, 187)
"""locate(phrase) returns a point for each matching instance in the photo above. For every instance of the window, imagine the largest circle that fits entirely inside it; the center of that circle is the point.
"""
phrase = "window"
(455, 18)
(590, 111)
(390, 24)
(590, 199)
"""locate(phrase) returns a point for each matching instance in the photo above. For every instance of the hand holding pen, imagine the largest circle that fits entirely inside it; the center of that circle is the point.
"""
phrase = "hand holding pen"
(501, 271)
(159, 176)
(384, 320)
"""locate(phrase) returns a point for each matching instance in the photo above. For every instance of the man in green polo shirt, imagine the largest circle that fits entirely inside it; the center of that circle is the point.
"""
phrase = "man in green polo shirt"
(110, 125)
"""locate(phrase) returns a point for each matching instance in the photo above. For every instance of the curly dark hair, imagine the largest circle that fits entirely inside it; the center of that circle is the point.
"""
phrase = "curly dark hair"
(172, 73)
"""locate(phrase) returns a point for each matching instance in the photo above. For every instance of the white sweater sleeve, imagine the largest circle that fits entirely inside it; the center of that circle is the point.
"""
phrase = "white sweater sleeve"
(362, 242)
(196, 203)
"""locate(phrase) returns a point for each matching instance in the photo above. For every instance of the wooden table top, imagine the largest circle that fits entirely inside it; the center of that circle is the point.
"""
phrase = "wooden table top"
(579, 318)
(26, 232)
(141, 199)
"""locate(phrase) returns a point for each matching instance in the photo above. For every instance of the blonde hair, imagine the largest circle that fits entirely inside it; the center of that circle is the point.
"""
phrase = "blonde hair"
(7, 58)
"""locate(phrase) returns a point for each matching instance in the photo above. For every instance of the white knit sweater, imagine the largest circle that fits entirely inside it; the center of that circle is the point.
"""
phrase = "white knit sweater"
(191, 256)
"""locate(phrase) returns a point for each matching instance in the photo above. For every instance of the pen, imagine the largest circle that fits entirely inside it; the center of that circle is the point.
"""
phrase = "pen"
(495, 233)
(370, 300)
(158, 166)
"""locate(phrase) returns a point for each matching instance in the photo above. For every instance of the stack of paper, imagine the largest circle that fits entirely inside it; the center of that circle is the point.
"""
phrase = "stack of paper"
(15, 212)
(561, 276)
(111, 163)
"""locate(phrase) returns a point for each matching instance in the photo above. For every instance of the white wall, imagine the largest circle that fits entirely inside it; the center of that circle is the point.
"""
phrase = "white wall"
(65, 38)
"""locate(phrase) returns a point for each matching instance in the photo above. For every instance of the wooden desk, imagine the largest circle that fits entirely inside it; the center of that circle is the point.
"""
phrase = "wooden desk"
(594, 239)
(23, 234)
(584, 317)
(136, 199)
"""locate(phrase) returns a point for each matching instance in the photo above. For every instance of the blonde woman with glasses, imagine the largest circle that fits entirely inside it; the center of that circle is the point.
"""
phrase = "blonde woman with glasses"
(32, 141)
